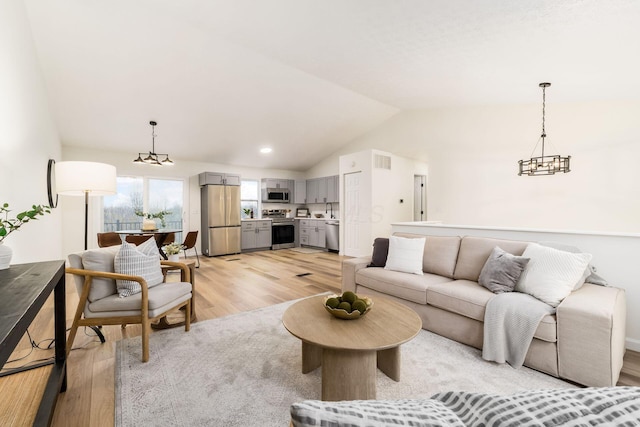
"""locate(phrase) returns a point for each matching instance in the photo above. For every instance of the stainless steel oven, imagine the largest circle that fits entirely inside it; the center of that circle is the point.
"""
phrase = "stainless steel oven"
(282, 228)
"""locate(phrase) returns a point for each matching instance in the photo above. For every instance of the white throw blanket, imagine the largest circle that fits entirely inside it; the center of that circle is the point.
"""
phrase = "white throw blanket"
(510, 321)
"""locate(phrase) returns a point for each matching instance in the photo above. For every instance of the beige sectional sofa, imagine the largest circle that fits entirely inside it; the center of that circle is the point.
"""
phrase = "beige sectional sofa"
(583, 342)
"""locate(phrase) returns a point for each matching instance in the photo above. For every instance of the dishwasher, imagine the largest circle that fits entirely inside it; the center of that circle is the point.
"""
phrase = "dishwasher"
(332, 231)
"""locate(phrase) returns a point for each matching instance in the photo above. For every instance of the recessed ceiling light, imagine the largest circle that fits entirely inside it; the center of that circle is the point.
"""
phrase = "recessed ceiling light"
(265, 150)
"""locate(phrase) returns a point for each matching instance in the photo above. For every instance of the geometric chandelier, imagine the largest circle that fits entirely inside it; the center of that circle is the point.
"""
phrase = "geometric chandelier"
(544, 165)
(152, 157)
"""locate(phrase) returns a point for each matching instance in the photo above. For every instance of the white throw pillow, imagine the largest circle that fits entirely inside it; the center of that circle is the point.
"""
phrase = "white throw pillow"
(551, 274)
(143, 261)
(405, 255)
(573, 250)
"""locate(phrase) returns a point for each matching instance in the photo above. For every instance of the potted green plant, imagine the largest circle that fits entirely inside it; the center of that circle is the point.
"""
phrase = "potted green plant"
(9, 225)
(173, 250)
(248, 212)
(148, 222)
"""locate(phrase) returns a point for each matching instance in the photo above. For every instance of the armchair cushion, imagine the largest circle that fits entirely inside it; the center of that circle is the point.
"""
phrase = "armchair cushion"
(98, 260)
(143, 261)
(161, 298)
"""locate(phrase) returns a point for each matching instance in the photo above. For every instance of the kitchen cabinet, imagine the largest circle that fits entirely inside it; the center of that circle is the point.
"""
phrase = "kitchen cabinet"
(300, 192)
(277, 183)
(323, 190)
(218, 178)
(312, 232)
(333, 193)
(256, 234)
(312, 190)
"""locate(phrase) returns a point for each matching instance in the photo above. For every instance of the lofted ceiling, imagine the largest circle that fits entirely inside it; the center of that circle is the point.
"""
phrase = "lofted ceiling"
(224, 78)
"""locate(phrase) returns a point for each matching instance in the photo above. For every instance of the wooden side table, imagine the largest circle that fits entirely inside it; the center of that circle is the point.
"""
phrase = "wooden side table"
(164, 322)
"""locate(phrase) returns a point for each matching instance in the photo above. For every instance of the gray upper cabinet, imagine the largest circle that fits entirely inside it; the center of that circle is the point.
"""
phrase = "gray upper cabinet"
(323, 190)
(218, 178)
(231, 179)
(333, 193)
(312, 190)
(277, 183)
(300, 192)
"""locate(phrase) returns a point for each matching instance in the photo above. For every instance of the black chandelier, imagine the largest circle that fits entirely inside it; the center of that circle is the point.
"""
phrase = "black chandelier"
(152, 157)
(544, 165)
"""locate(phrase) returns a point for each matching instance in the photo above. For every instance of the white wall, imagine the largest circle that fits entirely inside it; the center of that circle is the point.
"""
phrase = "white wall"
(28, 138)
(392, 192)
(472, 156)
(386, 196)
(74, 206)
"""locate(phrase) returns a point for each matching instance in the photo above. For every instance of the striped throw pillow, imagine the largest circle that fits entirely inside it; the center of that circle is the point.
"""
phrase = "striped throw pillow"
(143, 261)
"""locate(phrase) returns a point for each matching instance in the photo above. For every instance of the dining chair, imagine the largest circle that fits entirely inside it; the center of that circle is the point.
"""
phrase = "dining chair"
(190, 243)
(109, 239)
(138, 239)
(164, 239)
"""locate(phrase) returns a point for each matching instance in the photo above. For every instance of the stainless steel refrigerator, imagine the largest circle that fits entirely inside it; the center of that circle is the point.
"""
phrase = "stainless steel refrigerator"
(220, 206)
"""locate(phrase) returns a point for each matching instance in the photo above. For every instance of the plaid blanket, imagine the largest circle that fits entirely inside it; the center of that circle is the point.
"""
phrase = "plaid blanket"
(611, 406)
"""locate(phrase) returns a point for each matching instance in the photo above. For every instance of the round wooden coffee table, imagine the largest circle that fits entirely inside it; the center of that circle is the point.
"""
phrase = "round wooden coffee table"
(350, 350)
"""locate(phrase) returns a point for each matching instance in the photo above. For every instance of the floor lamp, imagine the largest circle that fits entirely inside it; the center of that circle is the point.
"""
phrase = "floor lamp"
(85, 179)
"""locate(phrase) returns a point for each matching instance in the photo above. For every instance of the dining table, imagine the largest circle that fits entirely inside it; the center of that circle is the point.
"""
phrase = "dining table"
(160, 235)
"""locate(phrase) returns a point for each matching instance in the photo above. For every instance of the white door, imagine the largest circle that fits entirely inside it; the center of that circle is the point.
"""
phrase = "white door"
(352, 214)
(419, 198)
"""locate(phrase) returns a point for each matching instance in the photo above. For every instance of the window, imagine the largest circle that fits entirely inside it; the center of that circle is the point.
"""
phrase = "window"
(249, 196)
(166, 195)
(149, 195)
(119, 209)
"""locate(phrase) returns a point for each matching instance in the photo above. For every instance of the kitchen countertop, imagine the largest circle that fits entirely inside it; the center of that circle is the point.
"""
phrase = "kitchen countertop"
(319, 219)
(256, 219)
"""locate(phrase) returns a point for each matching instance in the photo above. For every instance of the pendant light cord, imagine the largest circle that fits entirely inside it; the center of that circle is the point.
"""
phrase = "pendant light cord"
(153, 138)
(544, 134)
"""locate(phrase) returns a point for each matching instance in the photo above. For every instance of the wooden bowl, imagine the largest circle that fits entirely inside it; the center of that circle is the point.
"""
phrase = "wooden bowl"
(342, 314)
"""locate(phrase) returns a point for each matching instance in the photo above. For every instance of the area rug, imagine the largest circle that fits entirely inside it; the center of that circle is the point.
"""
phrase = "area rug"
(245, 370)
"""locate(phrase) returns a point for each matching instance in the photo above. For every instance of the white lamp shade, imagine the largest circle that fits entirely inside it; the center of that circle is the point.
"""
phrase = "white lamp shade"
(78, 178)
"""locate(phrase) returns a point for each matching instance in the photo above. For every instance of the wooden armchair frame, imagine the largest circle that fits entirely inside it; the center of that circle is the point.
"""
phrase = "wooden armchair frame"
(143, 319)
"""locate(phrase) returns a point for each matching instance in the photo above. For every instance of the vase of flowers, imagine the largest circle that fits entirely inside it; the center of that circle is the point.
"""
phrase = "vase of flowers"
(173, 251)
(9, 225)
(148, 219)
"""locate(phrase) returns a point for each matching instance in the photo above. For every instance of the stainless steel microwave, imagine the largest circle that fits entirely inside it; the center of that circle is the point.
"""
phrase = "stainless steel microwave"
(275, 195)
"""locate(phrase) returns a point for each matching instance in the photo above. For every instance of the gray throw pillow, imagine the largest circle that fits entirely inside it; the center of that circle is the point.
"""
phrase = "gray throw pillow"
(502, 271)
(380, 252)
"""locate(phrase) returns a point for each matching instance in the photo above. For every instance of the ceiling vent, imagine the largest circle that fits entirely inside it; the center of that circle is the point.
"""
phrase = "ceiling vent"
(381, 162)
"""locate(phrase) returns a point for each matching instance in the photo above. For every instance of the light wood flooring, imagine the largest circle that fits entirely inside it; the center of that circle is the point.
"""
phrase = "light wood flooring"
(224, 285)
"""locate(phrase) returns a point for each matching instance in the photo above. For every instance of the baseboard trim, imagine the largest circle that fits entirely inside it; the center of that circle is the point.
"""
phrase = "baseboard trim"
(632, 344)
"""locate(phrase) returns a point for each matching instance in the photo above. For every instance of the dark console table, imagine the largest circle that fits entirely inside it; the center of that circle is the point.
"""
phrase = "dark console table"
(24, 288)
